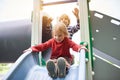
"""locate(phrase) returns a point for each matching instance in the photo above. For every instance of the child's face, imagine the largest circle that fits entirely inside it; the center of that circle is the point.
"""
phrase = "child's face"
(58, 36)
(65, 21)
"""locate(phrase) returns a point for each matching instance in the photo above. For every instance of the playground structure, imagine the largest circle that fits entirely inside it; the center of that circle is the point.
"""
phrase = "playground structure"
(84, 24)
(102, 32)
(27, 68)
(35, 66)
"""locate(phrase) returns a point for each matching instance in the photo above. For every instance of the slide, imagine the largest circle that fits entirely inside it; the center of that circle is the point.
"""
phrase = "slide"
(27, 68)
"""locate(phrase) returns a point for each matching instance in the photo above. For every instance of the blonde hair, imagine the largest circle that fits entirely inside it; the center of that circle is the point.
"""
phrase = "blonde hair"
(65, 16)
(60, 27)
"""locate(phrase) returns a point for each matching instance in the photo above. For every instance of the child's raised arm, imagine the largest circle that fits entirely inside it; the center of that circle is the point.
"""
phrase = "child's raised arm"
(76, 12)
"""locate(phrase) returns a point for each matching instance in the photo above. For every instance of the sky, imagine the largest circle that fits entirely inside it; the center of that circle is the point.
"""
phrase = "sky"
(21, 9)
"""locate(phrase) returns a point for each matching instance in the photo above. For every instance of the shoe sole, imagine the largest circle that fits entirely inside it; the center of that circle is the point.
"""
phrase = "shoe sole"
(61, 68)
(51, 69)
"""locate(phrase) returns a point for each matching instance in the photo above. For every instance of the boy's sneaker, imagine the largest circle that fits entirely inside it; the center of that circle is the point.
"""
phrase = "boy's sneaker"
(52, 71)
(61, 67)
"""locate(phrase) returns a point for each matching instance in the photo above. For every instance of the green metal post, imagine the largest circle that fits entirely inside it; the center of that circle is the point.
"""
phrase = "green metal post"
(85, 34)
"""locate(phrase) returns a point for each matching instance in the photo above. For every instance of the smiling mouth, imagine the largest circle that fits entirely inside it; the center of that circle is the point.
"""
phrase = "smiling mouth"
(58, 40)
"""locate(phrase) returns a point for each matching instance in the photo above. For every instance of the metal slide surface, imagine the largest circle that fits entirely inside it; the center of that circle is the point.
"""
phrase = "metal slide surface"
(27, 68)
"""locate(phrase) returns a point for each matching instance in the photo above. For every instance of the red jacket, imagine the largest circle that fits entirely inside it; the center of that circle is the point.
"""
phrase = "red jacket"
(61, 49)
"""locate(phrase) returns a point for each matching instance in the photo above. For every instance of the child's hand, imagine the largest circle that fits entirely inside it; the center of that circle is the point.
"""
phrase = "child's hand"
(83, 47)
(50, 20)
(27, 50)
(76, 12)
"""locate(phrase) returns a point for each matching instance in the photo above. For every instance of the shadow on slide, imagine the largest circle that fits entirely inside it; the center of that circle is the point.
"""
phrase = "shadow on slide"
(27, 68)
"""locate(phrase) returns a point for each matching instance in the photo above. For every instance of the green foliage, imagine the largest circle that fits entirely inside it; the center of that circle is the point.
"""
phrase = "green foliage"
(4, 67)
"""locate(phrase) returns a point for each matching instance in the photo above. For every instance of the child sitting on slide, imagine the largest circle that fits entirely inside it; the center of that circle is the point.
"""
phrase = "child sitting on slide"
(60, 59)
